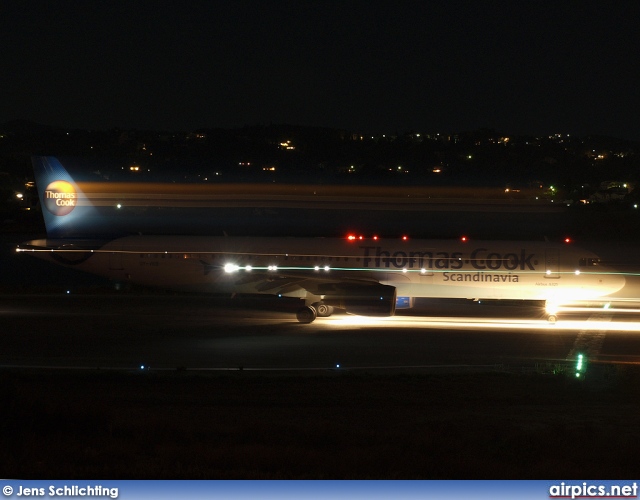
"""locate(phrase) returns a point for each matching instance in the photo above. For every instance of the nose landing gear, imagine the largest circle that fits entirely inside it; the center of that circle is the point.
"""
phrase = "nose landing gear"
(551, 309)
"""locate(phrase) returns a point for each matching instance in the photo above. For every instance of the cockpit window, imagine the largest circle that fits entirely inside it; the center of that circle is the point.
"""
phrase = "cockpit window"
(589, 262)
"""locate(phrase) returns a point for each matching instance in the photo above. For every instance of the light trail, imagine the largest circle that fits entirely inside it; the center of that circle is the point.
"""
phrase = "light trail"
(485, 324)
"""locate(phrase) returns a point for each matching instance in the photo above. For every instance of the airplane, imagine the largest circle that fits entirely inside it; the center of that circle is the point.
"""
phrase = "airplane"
(364, 276)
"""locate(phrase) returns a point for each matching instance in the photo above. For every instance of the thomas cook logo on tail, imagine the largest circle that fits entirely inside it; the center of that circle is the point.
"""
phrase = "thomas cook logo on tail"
(60, 197)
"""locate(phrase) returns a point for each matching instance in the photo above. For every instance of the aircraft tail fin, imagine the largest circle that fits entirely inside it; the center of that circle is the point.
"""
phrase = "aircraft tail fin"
(63, 202)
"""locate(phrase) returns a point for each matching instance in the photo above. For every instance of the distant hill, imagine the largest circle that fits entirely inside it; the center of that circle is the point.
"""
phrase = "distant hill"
(25, 127)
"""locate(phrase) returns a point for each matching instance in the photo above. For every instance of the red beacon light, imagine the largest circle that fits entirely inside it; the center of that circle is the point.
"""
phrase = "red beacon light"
(375, 238)
(567, 240)
(351, 237)
(464, 239)
(405, 238)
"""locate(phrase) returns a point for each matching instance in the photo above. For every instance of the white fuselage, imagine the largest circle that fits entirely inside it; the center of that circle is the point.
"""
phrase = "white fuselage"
(290, 266)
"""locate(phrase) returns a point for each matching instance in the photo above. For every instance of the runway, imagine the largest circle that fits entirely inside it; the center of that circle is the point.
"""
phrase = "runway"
(168, 332)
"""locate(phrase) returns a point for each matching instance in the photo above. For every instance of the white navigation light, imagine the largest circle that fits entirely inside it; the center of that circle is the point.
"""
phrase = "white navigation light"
(317, 268)
(326, 268)
(548, 272)
(577, 272)
(231, 268)
(248, 268)
(272, 268)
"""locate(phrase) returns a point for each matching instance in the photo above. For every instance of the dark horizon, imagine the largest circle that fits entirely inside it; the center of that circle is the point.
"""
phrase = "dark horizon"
(370, 67)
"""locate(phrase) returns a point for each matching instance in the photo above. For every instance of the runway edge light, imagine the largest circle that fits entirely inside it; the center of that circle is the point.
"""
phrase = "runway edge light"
(580, 365)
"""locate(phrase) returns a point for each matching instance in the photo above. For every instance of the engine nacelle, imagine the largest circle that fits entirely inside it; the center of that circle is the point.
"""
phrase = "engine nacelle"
(364, 300)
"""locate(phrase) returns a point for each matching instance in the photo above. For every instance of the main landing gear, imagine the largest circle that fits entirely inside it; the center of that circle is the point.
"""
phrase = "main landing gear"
(308, 314)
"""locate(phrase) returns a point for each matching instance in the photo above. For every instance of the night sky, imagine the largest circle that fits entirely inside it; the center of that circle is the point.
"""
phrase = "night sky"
(367, 66)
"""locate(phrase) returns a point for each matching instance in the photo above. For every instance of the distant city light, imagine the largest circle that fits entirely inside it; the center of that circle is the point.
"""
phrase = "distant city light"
(287, 145)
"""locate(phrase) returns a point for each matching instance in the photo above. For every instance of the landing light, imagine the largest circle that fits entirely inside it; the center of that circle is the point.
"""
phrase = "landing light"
(231, 268)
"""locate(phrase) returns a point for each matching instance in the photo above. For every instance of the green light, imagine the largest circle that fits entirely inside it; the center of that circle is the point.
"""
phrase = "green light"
(580, 365)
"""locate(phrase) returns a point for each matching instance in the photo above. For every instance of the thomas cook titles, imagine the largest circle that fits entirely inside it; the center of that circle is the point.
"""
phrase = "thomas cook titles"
(60, 198)
(481, 259)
